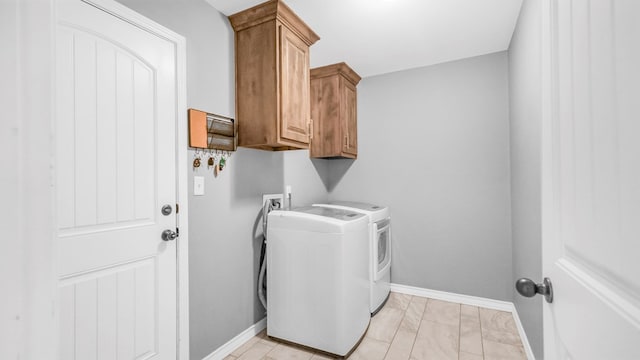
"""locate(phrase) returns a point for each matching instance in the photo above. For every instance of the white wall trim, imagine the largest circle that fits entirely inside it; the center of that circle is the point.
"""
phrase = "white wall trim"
(470, 300)
(226, 349)
(182, 155)
(28, 318)
(458, 298)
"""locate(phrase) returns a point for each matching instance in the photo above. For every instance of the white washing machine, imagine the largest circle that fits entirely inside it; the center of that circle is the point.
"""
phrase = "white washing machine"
(379, 249)
(318, 277)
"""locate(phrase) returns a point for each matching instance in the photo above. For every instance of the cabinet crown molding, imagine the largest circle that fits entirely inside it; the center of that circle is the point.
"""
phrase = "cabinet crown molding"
(270, 10)
(336, 69)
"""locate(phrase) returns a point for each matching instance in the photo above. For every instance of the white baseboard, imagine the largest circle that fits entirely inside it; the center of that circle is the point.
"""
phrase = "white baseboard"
(470, 300)
(226, 349)
(457, 298)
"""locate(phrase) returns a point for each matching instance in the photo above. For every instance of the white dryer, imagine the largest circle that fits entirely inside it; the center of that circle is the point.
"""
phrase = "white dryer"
(379, 248)
(318, 278)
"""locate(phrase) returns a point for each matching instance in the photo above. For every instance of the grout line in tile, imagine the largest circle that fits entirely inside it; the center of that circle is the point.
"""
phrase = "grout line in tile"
(459, 329)
(481, 333)
(419, 325)
(398, 328)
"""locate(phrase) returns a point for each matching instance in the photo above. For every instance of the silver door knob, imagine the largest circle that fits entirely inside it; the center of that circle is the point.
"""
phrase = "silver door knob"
(169, 235)
(166, 210)
(526, 287)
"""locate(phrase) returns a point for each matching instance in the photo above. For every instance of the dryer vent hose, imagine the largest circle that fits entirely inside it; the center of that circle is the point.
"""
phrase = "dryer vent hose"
(262, 275)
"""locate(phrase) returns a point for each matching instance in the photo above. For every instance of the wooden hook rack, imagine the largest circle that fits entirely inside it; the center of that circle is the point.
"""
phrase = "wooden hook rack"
(212, 131)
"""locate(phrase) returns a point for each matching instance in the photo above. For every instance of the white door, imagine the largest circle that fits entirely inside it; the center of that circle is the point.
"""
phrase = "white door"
(115, 168)
(591, 178)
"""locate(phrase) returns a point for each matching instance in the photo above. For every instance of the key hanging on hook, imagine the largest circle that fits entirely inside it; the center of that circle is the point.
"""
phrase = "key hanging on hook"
(211, 162)
(196, 159)
(223, 162)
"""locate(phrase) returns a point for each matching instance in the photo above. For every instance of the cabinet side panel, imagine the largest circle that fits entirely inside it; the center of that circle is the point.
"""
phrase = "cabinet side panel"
(325, 100)
(350, 118)
(256, 85)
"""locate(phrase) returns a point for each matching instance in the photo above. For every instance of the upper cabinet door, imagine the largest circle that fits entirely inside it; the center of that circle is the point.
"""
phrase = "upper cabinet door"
(334, 112)
(350, 123)
(294, 100)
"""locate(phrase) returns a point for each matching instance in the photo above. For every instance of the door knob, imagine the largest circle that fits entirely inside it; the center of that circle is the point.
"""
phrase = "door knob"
(526, 287)
(169, 235)
(166, 210)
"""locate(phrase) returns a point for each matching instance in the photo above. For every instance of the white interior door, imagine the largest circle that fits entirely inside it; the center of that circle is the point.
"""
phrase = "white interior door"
(116, 168)
(591, 178)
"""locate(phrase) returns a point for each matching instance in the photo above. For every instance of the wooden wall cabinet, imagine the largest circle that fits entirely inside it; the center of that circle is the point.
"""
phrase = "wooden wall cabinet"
(272, 77)
(334, 112)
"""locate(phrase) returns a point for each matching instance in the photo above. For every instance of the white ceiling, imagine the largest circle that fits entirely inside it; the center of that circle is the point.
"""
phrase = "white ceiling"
(381, 36)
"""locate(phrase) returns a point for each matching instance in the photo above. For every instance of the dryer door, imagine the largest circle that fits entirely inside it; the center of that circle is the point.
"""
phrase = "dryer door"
(382, 248)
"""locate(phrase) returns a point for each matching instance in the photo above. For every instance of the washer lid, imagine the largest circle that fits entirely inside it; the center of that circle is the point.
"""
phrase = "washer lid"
(316, 219)
(338, 214)
(358, 205)
(375, 212)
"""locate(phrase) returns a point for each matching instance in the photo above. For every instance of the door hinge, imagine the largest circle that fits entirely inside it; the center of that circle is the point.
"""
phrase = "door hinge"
(177, 208)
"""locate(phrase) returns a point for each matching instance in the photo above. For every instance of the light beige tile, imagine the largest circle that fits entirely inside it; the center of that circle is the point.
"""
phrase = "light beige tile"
(244, 347)
(413, 315)
(442, 312)
(398, 301)
(497, 320)
(230, 357)
(268, 341)
(256, 352)
(467, 356)
(502, 337)
(436, 341)
(497, 351)
(468, 311)
(370, 349)
(401, 345)
(383, 326)
(470, 335)
(288, 352)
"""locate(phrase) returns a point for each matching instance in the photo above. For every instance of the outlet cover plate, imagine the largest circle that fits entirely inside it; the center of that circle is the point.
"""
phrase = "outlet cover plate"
(277, 197)
(198, 185)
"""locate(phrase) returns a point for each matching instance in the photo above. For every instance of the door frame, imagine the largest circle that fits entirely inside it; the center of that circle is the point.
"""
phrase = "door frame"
(182, 193)
(548, 196)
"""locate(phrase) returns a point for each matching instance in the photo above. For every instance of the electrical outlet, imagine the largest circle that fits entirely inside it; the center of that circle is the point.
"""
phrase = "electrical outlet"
(276, 200)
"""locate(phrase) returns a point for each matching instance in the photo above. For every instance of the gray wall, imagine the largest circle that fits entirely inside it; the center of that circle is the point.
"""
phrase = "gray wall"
(308, 178)
(225, 231)
(434, 146)
(525, 113)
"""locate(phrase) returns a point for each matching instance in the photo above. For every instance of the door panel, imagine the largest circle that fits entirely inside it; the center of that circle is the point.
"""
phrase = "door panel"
(295, 105)
(594, 202)
(112, 160)
(115, 131)
(107, 308)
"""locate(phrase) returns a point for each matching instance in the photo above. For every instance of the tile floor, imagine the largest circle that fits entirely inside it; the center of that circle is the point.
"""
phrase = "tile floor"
(415, 328)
